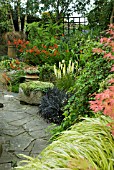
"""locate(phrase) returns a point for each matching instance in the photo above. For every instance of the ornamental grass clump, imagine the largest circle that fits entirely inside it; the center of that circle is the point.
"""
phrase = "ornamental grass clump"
(65, 74)
(88, 145)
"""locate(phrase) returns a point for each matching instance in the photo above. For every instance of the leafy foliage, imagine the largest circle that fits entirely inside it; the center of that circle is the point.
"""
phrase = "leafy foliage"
(62, 8)
(65, 82)
(46, 47)
(51, 105)
(104, 100)
(100, 15)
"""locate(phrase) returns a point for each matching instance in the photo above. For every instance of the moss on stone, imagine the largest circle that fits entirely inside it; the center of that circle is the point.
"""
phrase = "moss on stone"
(35, 86)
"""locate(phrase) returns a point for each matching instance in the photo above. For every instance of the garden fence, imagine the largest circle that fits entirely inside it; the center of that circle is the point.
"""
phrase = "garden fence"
(71, 24)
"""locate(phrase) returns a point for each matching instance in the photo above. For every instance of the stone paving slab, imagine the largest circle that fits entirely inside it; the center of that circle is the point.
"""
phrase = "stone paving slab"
(22, 130)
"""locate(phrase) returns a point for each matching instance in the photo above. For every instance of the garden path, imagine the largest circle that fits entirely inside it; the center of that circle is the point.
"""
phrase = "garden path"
(22, 130)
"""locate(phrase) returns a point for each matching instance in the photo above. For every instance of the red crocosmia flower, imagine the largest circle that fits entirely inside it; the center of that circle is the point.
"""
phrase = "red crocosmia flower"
(55, 53)
(45, 52)
(50, 47)
(27, 42)
(21, 50)
(31, 51)
(55, 46)
(44, 46)
(55, 37)
(9, 42)
(17, 62)
(37, 52)
(20, 41)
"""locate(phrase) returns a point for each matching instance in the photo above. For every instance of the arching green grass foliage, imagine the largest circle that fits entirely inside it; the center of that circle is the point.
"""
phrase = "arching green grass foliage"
(88, 145)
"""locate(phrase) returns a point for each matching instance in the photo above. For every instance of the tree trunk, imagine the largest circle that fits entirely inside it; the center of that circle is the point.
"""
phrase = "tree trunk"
(11, 18)
(112, 16)
(18, 13)
(25, 23)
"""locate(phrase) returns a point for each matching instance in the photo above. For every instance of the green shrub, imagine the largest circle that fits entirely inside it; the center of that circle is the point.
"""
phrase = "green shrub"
(15, 79)
(46, 73)
(87, 145)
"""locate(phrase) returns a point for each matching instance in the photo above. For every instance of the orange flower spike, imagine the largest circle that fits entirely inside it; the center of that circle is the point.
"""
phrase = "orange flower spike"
(15, 42)
(44, 51)
(55, 52)
(12, 66)
(27, 42)
(17, 62)
(21, 50)
(20, 41)
(55, 45)
(31, 51)
(44, 46)
(50, 47)
(34, 47)
(9, 42)
(55, 37)
(37, 52)
(4, 75)
(24, 46)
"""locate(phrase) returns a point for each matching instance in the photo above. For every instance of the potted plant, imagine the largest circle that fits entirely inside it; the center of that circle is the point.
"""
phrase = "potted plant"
(10, 37)
(32, 73)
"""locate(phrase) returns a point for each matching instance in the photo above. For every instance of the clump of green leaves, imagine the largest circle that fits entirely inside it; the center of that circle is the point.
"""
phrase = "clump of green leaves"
(46, 73)
(16, 78)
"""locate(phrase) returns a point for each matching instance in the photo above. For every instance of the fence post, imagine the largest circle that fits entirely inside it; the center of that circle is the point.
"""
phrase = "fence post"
(68, 24)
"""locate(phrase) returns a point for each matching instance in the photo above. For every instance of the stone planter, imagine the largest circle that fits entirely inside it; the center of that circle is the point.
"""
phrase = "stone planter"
(31, 77)
(32, 92)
